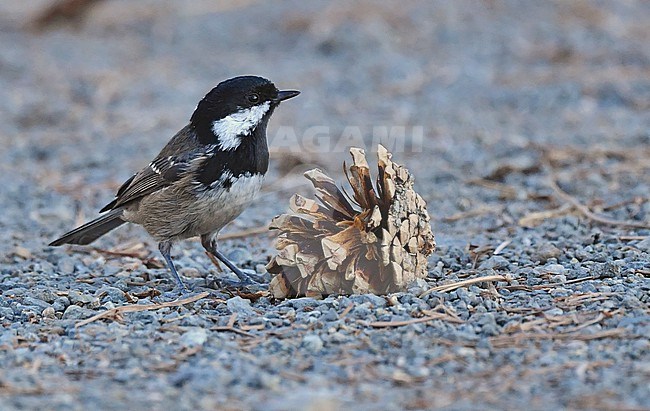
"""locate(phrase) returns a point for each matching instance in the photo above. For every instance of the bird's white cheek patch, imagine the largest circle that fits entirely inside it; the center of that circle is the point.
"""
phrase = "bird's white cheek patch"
(230, 129)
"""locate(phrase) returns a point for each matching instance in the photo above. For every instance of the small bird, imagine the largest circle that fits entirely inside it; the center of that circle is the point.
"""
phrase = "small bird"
(205, 176)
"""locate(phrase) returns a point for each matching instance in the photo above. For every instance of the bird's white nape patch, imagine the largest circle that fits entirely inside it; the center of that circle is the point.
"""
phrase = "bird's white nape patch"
(230, 129)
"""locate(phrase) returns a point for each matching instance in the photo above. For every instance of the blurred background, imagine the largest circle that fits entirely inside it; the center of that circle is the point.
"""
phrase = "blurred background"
(91, 90)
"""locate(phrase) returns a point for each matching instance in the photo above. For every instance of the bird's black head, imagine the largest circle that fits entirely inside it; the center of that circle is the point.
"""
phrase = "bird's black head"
(235, 109)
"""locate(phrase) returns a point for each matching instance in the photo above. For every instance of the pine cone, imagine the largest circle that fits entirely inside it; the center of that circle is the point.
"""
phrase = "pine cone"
(377, 242)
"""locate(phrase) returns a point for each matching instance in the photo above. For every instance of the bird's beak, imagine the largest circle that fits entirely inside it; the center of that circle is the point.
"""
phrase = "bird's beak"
(286, 95)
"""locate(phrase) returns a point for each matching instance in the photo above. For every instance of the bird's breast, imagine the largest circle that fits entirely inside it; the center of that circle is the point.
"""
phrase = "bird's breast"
(224, 200)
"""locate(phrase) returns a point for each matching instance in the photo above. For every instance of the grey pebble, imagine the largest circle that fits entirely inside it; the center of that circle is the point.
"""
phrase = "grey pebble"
(330, 315)
(240, 306)
(40, 304)
(495, 262)
(375, 301)
(546, 251)
(75, 312)
(77, 297)
(193, 337)
(605, 270)
(301, 303)
(6, 313)
(65, 265)
(112, 294)
(312, 343)
(61, 303)
(45, 294)
(644, 245)
(49, 312)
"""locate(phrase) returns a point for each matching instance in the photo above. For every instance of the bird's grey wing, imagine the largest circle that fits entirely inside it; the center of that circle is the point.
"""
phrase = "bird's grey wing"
(159, 174)
(167, 168)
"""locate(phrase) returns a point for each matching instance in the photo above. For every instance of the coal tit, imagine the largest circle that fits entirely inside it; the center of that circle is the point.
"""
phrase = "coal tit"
(205, 176)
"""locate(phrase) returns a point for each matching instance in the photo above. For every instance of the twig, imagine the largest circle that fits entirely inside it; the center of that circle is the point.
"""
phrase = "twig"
(383, 324)
(293, 376)
(232, 320)
(586, 324)
(508, 340)
(135, 308)
(346, 311)
(230, 326)
(463, 283)
(536, 218)
(501, 247)
(588, 213)
(632, 237)
(232, 329)
(505, 190)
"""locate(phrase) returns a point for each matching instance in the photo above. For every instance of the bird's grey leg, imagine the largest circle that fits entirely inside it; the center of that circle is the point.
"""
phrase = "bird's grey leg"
(165, 249)
(209, 242)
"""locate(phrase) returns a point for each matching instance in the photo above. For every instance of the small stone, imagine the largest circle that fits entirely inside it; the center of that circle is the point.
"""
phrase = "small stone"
(76, 297)
(191, 272)
(61, 303)
(605, 270)
(546, 251)
(330, 315)
(74, 312)
(560, 292)
(303, 302)
(312, 343)
(22, 252)
(240, 306)
(35, 302)
(6, 313)
(65, 265)
(46, 295)
(644, 245)
(496, 262)
(361, 312)
(112, 294)
(418, 286)
(48, 312)
(194, 337)
(375, 301)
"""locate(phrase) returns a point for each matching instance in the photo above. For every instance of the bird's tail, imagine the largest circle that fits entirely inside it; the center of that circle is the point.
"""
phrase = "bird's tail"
(92, 230)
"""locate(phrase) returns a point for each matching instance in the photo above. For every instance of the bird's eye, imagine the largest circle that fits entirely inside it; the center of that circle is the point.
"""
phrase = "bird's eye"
(253, 98)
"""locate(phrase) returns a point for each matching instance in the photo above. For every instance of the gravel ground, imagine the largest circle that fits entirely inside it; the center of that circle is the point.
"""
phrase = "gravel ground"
(511, 97)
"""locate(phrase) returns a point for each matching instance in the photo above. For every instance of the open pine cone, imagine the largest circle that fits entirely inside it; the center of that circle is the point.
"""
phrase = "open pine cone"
(378, 242)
